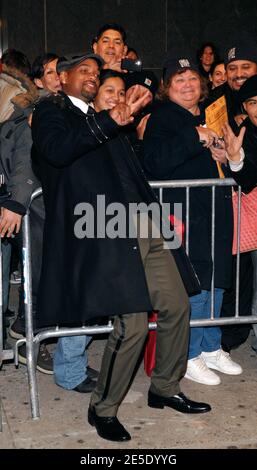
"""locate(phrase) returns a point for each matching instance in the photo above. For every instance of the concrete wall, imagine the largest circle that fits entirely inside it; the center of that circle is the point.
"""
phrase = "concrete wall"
(153, 26)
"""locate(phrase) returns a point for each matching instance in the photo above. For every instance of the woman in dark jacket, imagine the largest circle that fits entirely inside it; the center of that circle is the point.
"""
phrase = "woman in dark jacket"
(176, 146)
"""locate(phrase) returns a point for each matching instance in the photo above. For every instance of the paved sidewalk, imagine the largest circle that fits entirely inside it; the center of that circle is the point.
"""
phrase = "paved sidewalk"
(63, 425)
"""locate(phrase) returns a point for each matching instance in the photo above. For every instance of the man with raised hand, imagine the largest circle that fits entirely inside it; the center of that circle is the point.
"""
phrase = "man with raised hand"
(88, 274)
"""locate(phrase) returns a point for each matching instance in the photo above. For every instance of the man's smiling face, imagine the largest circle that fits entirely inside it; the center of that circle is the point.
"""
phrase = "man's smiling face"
(82, 81)
(238, 71)
(110, 46)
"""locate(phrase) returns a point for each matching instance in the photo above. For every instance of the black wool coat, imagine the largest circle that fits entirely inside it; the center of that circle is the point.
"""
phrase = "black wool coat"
(86, 278)
(172, 151)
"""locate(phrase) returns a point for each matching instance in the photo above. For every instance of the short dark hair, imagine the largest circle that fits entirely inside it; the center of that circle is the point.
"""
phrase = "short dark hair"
(214, 65)
(131, 49)
(17, 60)
(37, 70)
(214, 50)
(115, 27)
(108, 73)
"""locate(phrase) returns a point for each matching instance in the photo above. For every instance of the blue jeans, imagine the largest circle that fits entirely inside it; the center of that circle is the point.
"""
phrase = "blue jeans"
(71, 361)
(205, 338)
(6, 260)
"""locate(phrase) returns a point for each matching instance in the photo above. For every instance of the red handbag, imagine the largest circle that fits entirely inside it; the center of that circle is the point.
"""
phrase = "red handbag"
(248, 226)
(179, 227)
(150, 349)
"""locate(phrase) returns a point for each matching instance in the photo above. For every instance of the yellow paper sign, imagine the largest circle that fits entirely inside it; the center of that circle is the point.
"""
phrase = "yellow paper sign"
(216, 115)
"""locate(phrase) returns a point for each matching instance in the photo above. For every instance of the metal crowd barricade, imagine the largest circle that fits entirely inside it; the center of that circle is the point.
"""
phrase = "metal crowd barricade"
(33, 340)
(5, 354)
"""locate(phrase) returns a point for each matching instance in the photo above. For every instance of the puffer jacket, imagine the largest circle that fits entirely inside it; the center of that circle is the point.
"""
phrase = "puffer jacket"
(17, 96)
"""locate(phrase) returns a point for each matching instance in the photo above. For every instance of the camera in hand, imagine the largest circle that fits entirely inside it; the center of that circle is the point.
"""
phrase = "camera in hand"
(218, 144)
(131, 65)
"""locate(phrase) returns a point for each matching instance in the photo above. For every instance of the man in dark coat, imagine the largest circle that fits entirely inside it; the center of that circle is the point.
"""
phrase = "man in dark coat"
(84, 158)
(242, 154)
(240, 63)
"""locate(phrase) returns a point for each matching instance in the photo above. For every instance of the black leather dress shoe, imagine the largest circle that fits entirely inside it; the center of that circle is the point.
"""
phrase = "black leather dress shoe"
(87, 386)
(92, 373)
(108, 427)
(178, 402)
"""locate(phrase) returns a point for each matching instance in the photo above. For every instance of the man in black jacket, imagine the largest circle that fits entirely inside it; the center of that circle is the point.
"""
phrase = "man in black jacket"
(242, 151)
(84, 157)
(241, 63)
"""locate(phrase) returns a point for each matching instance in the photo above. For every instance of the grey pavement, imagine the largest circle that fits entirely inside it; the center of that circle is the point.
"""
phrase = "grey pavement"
(63, 424)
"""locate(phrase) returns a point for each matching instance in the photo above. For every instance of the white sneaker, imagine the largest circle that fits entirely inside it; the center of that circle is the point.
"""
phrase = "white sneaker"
(198, 371)
(221, 361)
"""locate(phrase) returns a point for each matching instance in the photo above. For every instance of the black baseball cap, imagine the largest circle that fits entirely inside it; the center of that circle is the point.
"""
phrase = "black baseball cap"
(248, 89)
(176, 64)
(71, 60)
(144, 78)
(243, 47)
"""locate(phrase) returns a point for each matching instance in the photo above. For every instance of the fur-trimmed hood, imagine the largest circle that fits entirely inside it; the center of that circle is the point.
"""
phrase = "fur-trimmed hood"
(16, 90)
(31, 94)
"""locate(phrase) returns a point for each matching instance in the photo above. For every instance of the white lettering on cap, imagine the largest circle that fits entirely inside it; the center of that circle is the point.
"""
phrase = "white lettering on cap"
(184, 63)
(148, 81)
(232, 53)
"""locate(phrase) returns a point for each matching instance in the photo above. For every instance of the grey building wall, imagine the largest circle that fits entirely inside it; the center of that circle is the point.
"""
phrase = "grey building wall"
(153, 26)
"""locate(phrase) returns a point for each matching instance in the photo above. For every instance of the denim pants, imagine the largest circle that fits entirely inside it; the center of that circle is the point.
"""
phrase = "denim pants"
(205, 338)
(6, 260)
(71, 361)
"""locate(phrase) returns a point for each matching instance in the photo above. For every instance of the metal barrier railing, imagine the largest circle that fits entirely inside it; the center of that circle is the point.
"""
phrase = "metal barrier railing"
(33, 341)
(213, 183)
(5, 354)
